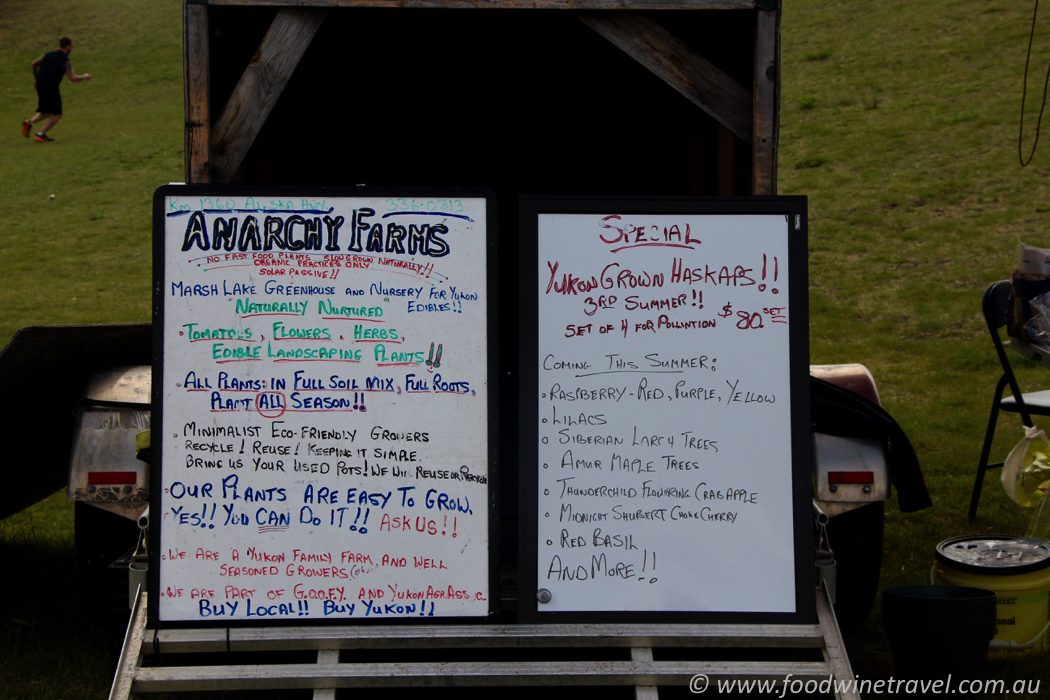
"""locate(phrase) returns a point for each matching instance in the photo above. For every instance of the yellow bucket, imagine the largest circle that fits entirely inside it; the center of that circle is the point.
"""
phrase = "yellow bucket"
(1018, 570)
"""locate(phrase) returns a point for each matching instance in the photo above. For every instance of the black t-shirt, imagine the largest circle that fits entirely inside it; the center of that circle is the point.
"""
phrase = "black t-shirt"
(52, 67)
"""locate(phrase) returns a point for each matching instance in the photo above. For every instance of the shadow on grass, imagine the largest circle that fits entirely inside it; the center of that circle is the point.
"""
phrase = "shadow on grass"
(1006, 674)
(54, 643)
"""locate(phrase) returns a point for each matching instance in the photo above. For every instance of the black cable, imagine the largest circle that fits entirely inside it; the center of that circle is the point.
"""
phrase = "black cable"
(1024, 95)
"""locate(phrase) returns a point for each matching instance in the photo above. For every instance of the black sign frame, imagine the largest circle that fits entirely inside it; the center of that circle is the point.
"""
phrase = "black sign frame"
(490, 277)
(794, 209)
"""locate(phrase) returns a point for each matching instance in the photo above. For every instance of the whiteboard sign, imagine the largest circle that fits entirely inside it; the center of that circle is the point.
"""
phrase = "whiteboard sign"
(664, 410)
(321, 398)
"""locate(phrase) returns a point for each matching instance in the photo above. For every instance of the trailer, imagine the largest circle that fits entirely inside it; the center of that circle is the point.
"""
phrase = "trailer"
(560, 97)
(555, 96)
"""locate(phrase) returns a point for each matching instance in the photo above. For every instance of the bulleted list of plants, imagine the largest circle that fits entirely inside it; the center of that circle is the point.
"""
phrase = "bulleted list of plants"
(323, 401)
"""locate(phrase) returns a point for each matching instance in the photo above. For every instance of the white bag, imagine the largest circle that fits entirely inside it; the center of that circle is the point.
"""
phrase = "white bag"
(1026, 471)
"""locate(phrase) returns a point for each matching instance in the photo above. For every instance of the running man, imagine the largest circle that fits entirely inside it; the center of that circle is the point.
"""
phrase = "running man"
(47, 73)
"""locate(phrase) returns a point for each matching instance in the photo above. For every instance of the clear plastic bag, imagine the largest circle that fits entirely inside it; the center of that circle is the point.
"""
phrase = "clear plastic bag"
(1030, 280)
(1037, 327)
(1026, 478)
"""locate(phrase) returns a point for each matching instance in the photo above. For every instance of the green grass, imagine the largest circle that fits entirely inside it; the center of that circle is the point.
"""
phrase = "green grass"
(917, 204)
(899, 121)
(81, 257)
(911, 111)
(84, 256)
(49, 635)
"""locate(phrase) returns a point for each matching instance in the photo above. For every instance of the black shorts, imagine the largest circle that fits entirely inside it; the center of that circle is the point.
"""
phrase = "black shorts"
(49, 100)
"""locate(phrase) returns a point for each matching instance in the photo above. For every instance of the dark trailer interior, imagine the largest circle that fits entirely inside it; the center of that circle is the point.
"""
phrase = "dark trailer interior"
(563, 97)
(552, 97)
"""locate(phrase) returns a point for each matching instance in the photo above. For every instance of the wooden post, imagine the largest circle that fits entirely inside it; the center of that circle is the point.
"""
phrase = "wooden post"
(326, 657)
(644, 692)
(766, 102)
(195, 64)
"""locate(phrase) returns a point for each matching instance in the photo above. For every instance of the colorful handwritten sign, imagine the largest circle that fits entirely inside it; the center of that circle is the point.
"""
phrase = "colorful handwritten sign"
(321, 398)
(663, 407)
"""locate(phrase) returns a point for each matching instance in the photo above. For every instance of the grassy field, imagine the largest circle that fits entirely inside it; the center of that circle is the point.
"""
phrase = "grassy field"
(901, 125)
(899, 121)
(84, 255)
(75, 230)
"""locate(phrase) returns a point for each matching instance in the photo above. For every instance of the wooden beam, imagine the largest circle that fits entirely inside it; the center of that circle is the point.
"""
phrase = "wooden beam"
(509, 4)
(131, 653)
(253, 639)
(473, 674)
(259, 88)
(326, 657)
(674, 62)
(196, 60)
(834, 648)
(644, 655)
(767, 103)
